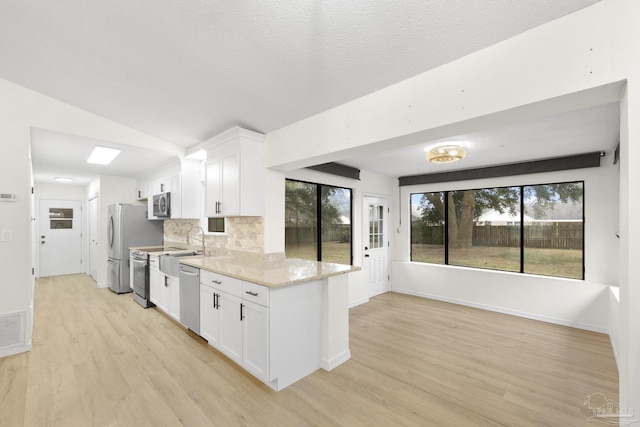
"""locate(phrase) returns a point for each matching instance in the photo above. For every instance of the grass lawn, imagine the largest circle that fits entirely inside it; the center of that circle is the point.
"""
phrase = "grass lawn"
(337, 252)
(547, 262)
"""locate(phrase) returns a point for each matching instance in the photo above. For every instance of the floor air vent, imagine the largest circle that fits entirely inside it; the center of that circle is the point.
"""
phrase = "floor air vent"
(11, 330)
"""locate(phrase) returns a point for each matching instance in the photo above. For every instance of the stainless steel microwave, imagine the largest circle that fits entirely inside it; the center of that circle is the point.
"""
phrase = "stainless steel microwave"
(162, 205)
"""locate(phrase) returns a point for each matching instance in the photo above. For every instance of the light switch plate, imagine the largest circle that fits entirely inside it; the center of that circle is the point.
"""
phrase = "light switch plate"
(7, 235)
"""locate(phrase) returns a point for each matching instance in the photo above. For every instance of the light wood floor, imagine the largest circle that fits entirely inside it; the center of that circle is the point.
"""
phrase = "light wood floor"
(98, 359)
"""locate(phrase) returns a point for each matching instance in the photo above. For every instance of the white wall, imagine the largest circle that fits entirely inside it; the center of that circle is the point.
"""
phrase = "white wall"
(569, 302)
(369, 184)
(20, 110)
(580, 60)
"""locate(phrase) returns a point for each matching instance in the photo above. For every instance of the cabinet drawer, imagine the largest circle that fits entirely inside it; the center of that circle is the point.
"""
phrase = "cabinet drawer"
(256, 293)
(221, 282)
(154, 262)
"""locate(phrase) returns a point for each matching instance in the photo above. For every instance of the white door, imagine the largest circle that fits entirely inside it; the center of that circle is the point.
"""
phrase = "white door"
(93, 238)
(60, 237)
(376, 244)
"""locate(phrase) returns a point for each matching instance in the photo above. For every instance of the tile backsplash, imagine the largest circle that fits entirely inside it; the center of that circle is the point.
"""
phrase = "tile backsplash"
(244, 236)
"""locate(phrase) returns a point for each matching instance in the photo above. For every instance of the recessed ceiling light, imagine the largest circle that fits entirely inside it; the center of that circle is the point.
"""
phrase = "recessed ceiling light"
(446, 153)
(63, 179)
(103, 155)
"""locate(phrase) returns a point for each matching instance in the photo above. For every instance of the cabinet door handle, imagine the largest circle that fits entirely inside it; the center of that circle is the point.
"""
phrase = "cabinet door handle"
(253, 294)
(215, 300)
(162, 188)
(166, 282)
(241, 312)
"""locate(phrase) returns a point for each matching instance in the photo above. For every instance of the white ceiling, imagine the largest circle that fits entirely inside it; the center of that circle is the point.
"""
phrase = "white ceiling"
(185, 71)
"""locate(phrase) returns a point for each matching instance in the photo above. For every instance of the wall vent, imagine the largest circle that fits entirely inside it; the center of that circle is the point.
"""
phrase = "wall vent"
(11, 330)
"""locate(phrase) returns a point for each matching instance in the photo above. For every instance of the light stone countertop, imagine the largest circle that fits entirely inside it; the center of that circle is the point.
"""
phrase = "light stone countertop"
(154, 250)
(273, 274)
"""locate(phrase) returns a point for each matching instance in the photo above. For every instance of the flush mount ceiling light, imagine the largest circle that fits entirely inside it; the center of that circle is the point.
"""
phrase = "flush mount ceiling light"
(63, 179)
(103, 155)
(445, 153)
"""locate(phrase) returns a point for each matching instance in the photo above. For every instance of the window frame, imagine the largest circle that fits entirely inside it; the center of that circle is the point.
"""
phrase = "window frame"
(522, 227)
(319, 187)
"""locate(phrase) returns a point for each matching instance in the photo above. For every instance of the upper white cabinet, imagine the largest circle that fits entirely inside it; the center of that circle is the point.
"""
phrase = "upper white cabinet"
(141, 192)
(235, 174)
(183, 179)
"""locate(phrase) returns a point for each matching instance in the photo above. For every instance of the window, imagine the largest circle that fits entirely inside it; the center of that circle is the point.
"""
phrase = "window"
(318, 222)
(479, 234)
(535, 229)
(61, 218)
(215, 225)
(427, 227)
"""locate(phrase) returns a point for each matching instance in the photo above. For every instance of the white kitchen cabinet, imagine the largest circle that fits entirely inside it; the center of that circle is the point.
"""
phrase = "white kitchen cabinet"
(156, 279)
(162, 185)
(230, 332)
(235, 325)
(141, 192)
(209, 324)
(255, 339)
(273, 333)
(184, 181)
(164, 291)
(163, 295)
(173, 303)
(235, 174)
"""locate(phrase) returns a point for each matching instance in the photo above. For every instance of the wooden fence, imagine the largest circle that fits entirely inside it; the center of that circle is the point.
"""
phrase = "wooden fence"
(336, 233)
(553, 235)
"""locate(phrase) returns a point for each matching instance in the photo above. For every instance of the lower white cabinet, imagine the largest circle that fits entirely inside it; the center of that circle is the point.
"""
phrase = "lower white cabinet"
(255, 340)
(164, 291)
(230, 309)
(236, 326)
(173, 303)
(209, 318)
(156, 279)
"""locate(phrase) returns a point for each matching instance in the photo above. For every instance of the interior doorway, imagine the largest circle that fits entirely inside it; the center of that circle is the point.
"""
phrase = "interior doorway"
(376, 243)
(59, 237)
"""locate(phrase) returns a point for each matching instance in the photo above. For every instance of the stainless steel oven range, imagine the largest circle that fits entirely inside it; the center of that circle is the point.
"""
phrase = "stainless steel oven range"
(140, 266)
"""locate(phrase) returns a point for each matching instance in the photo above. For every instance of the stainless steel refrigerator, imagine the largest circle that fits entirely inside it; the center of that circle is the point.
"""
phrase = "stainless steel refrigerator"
(127, 226)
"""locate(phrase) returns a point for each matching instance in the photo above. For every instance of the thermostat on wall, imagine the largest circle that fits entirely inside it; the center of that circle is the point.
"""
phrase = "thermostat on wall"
(6, 197)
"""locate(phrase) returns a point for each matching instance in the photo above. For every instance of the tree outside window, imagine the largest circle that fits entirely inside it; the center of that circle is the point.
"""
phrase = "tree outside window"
(318, 222)
(532, 229)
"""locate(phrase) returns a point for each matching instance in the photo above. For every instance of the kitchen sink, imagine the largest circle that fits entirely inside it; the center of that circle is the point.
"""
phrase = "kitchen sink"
(169, 263)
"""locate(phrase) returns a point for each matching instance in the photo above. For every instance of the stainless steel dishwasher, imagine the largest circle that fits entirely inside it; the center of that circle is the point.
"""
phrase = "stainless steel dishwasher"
(190, 297)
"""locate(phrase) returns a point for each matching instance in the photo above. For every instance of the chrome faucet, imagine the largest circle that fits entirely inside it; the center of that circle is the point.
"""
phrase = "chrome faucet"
(202, 231)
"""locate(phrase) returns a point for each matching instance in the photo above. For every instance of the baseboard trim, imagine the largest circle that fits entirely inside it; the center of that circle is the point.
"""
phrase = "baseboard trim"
(336, 361)
(15, 350)
(487, 307)
(359, 302)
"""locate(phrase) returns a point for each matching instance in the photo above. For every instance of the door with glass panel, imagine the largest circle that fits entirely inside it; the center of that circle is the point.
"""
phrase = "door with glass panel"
(59, 238)
(376, 244)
